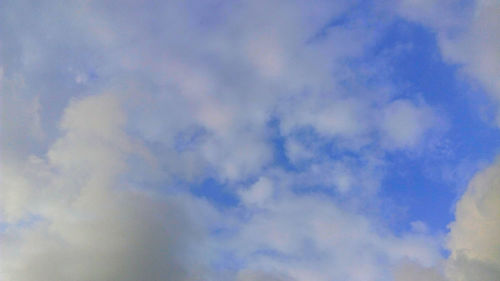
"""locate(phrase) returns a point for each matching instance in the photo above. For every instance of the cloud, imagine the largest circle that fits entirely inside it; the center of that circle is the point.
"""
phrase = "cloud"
(128, 104)
(404, 124)
(18, 108)
(81, 222)
(324, 241)
(410, 271)
(474, 236)
(226, 78)
(259, 193)
(122, 235)
(249, 275)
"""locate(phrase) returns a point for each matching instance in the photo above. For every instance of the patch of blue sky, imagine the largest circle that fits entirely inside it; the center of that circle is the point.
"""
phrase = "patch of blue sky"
(215, 192)
(3, 227)
(428, 182)
(359, 10)
(304, 135)
(26, 222)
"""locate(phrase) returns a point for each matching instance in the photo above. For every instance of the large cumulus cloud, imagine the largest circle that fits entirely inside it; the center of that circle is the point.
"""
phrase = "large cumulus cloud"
(474, 237)
(72, 218)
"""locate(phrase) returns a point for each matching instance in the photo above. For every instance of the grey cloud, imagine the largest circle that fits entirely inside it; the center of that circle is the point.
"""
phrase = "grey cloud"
(85, 224)
(410, 271)
(250, 275)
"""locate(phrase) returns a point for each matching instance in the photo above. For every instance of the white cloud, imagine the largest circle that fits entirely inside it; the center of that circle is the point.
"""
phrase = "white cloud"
(324, 241)
(335, 117)
(297, 151)
(259, 193)
(419, 226)
(404, 123)
(474, 239)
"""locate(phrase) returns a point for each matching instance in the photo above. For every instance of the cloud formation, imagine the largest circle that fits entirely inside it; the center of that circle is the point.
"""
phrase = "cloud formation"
(72, 218)
(473, 239)
(112, 111)
(323, 241)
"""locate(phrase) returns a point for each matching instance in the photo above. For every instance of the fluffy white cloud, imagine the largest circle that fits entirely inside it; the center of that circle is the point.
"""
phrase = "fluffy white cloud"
(474, 238)
(313, 237)
(404, 123)
(259, 193)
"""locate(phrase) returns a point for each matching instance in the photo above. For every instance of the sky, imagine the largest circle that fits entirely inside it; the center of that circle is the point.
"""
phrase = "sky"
(259, 140)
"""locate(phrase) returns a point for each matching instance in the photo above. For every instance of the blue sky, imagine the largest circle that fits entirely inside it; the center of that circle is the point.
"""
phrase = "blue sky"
(249, 140)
